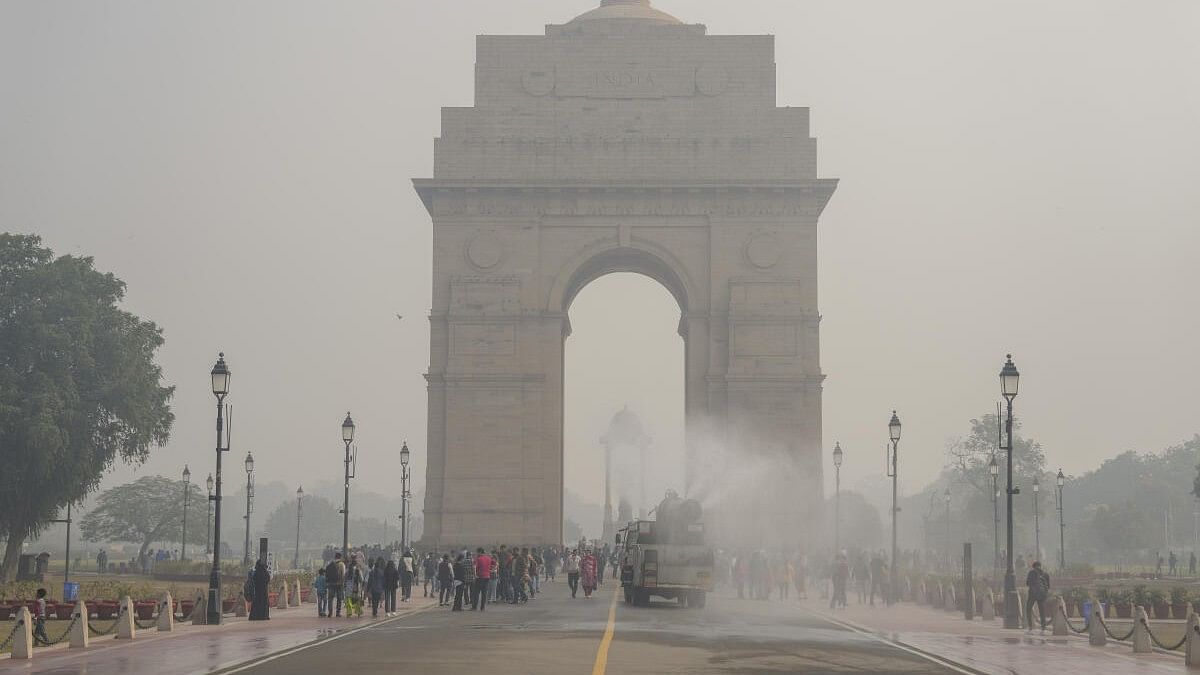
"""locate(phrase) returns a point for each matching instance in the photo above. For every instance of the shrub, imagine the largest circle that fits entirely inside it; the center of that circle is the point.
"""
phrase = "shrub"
(1139, 596)
(1078, 570)
(1120, 596)
(1155, 597)
(1179, 595)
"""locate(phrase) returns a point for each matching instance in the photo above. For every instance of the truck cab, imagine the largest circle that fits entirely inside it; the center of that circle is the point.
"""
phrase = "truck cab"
(671, 563)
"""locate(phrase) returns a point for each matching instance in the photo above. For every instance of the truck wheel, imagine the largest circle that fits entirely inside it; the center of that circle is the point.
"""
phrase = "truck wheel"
(641, 598)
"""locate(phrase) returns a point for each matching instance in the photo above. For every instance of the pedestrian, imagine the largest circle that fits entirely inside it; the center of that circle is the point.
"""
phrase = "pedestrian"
(587, 573)
(445, 578)
(520, 576)
(408, 565)
(841, 574)
(1038, 582)
(391, 581)
(376, 586)
(494, 579)
(335, 582)
(468, 579)
(571, 567)
(1172, 561)
(862, 576)
(552, 563)
(877, 576)
(355, 581)
(601, 561)
(483, 575)
(260, 605)
(39, 626)
(429, 574)
(1160, 565)
(320, 588)
(800, 576)
(1192, 564)
(460, 572)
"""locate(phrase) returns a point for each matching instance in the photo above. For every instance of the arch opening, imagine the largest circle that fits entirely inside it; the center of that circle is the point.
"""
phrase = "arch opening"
(625, 357)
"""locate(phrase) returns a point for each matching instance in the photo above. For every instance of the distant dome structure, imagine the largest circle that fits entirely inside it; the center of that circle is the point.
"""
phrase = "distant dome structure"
(626, 10)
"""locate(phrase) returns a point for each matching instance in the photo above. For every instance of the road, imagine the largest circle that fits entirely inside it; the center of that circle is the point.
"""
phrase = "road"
(560, 635)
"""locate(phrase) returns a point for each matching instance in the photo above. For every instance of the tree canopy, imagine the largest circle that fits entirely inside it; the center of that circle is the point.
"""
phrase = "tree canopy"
(79, 387)
(147, 511)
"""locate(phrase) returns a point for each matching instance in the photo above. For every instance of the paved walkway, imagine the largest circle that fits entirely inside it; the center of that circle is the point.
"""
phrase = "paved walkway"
(990, 648)
(197, 649)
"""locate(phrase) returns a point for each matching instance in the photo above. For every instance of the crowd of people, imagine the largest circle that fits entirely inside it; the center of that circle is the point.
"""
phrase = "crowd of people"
(461, 579)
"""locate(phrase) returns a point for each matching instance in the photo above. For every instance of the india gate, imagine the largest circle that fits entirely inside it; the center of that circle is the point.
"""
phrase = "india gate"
(624, 140)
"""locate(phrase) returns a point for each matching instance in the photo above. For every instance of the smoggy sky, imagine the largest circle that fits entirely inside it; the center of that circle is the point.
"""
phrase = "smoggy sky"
(1015, 176)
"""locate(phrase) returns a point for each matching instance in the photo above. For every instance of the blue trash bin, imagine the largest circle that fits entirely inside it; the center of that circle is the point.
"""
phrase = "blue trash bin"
(70, 591)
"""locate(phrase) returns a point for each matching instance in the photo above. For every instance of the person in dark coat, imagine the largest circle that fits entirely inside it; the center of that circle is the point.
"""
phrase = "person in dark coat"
(375, 586)
(260, 604)
(460, 588)
(391, 581)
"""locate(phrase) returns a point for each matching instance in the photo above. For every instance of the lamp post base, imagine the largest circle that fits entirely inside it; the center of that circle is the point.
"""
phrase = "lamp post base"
(1012, 614)
(214, 598)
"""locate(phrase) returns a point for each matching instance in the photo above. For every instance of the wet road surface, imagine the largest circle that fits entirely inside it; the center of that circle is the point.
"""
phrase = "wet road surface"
(560, 635)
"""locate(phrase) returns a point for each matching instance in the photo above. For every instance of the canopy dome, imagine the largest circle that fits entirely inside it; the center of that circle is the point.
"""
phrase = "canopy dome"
(626, 10)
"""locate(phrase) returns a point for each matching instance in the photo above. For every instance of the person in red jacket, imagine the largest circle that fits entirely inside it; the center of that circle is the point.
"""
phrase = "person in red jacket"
(483, 574)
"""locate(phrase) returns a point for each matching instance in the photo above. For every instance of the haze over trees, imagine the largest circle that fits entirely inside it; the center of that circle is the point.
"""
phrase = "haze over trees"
(146, 512)
(79, 386)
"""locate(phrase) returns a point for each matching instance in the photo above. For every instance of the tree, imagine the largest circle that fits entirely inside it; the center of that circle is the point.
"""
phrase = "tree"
(78, 386)
(861, 525)
(147, 511)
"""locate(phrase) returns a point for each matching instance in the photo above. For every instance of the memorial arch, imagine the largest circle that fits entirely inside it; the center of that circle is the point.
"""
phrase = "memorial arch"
(622, 141)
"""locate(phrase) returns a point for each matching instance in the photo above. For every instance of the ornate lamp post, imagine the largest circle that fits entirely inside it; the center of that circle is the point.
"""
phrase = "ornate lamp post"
(220, 388)
(837, 498)
(347, 439)
(299, 499)
(249, 503)
(1061, 480)
(1009, 379)
(404, 457)
(187, 487)
(949, 547)
(1037, 522)
(208, 522)
(894, 435)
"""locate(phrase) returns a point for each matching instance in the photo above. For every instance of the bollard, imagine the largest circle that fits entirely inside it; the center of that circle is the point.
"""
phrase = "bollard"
(939, 598)
(239, 607)
(1141, 634)
(200, 611)
(951, 599)
(22, 644)
(1192, 645)
(1060, 618)
(166, 614)
(125, 628)
(281, 601)
(922, 593)
(908, 588)
(989, 607)
(1021, 611)
(1096, 635)
(299, 594)
(79, 631)
(294, 595)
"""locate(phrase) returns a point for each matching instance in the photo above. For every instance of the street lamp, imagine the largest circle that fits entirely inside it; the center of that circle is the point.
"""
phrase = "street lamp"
(404, 456)
(1009, 378)
(347, 438)
(220, 388)
(299, 499)
(994, 470)
(187, 478)
(837, 498)
(949, 548)
(894, 436)
(249, 504)
(208, 521)
(1061, 480)
(1037, 522)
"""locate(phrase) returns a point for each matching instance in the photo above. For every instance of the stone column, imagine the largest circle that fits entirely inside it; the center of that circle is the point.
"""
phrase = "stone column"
(166, 614)
(79, 632)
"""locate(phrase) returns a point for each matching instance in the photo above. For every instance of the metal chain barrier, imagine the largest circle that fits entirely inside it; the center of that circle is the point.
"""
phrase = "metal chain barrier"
(1071, 626)
(110, 629)
(149, 623)
(1160, 645)
(1104, 625)
(8, 640)
(66, 634)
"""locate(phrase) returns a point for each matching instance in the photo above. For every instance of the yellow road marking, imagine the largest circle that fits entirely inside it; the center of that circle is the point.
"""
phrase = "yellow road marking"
(602, 653)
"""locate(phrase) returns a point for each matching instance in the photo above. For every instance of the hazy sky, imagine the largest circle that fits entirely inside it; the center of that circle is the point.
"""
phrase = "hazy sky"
(1015, 176)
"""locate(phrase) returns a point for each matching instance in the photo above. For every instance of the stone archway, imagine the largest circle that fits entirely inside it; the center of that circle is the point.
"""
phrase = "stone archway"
(622, 141)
